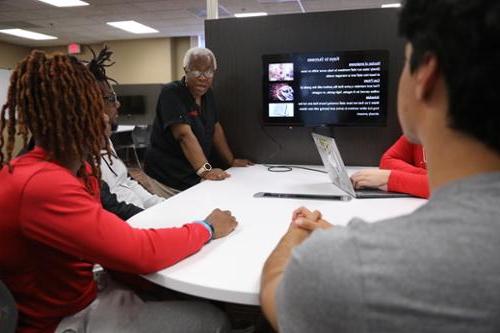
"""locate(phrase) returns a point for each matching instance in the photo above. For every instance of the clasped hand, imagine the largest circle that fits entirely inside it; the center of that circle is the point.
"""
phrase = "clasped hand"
(305, 219)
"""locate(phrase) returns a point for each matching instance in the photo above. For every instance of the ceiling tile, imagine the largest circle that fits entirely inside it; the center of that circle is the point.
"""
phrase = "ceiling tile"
(171, 17)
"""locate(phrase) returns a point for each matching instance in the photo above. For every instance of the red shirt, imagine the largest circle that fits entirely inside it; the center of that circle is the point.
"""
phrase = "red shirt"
(408, 168)
(52, 231)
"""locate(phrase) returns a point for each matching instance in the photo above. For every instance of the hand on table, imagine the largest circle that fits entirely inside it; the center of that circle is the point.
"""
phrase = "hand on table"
(215, 174)
(223, 222)
(305, 219)
(241, 162)
(371, 178)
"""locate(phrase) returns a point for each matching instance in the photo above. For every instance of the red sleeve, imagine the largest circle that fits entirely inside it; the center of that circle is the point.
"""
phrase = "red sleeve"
(400, 156)
(411, 183)
(58, 212)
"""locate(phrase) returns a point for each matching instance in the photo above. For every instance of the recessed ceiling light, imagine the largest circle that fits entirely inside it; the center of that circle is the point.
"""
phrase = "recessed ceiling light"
(27, 34)
(133, 27)
(250, 14)
(65, 3)
(391, 5)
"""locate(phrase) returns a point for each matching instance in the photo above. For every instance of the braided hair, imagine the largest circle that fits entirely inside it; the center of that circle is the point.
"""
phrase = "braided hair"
(57, 100)
(98, 64)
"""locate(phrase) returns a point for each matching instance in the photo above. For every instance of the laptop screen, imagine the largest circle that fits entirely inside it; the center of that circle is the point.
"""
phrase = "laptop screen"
(330, 156)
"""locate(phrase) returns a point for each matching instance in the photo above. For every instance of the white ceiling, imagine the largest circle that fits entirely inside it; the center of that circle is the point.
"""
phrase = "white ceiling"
(173, 18)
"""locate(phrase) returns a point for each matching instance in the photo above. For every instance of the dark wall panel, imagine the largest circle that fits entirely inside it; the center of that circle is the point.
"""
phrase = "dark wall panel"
(239, 44)
(150, 93)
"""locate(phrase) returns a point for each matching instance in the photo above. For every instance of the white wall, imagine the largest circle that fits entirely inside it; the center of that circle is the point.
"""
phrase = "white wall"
(11, 54)
(4, 85)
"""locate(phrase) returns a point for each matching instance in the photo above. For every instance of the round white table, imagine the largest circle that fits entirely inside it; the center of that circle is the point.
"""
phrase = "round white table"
(229, 269)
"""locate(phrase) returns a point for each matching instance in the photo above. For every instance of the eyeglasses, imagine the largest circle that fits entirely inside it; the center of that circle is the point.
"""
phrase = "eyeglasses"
(111, 99)
(197, 74)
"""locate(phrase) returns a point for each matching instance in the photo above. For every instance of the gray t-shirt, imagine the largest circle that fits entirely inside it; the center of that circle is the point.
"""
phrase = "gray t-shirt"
(435, 270)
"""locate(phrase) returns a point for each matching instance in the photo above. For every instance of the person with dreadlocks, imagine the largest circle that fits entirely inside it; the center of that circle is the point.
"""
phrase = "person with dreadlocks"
(109, 200)
(114, 171)
(53, 228)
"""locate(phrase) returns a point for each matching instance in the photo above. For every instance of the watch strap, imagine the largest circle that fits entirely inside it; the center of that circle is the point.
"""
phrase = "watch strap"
(203, 169)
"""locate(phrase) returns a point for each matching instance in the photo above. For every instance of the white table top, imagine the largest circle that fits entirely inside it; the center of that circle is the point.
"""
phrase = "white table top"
(125, 128)
(229, 269)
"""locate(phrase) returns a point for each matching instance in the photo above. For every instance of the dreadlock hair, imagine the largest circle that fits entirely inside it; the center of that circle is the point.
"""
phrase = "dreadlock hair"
(59, 102)
(97, 65)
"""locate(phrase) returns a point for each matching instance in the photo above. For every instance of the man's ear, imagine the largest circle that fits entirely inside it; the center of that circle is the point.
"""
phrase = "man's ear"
(426, 76)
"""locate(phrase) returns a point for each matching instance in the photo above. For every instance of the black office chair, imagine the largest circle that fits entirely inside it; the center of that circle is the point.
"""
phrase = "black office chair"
(141, 137)
(133, 140)
(8, 310)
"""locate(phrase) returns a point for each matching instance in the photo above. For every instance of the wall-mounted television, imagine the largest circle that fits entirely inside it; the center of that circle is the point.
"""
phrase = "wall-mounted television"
(132, 104)
(341, 88)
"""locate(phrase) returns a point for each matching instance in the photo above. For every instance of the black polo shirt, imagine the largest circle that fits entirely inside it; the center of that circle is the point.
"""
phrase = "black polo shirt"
(165, 160)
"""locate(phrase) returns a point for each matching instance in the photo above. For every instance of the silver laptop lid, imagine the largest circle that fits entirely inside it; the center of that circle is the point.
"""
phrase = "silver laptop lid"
(330, 156)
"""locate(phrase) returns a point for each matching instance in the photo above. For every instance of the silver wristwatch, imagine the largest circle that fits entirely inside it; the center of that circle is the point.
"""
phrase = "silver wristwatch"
(204, 168)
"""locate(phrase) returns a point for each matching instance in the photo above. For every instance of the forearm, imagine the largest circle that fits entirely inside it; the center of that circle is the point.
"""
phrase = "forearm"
(119, 208)
(99, 236)
(221, 145)
(192, 151)
(272, 273)
(393, 163)
(411, 183)
(147, 198)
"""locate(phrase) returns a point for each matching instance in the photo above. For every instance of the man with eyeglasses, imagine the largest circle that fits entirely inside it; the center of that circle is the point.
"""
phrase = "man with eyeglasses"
(186, 128)
(114, 171)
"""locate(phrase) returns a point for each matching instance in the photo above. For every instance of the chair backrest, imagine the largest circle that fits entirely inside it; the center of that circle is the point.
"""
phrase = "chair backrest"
(122, 139)
(8, 310)
(141, 135)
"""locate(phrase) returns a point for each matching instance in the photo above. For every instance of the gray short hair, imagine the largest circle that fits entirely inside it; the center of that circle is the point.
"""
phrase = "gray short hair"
(198, 51)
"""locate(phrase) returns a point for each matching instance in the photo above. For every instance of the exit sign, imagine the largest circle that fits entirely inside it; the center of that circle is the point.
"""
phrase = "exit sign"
(74, 48)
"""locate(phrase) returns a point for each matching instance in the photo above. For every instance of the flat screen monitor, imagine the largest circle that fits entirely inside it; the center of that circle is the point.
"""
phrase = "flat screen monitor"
(341, 88)
(132, 104)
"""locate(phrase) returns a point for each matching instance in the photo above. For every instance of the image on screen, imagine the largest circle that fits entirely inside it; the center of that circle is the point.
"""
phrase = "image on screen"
(281, 110)
(281, 92)
(281, 72)
(340, 88)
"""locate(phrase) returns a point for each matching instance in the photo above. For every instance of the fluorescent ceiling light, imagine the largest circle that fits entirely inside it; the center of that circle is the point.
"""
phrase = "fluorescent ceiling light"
(391, 5)
(65, 3)
(26, 34)
(250, 14)
(133, 27)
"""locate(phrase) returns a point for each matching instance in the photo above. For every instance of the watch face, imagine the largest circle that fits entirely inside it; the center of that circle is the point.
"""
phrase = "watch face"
(207, 166)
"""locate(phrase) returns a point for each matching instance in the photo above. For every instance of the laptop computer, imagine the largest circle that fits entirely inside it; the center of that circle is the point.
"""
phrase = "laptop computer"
(334, 165)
